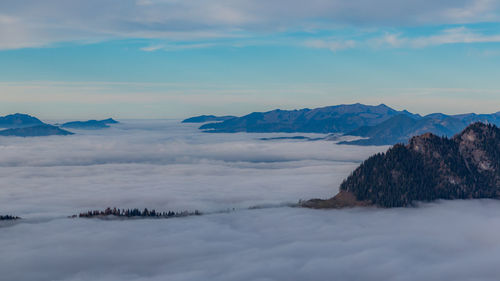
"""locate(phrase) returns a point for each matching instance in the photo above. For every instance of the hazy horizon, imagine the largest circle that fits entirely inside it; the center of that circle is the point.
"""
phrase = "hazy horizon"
(70, 117)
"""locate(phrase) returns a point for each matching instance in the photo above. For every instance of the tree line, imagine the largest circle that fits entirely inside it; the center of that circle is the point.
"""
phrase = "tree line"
(8, 218)
(128, 213)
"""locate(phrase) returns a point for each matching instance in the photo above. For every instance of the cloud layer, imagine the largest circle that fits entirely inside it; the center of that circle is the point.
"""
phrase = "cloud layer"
(171, 166)
(38, 23)
(444, 241)
(159, 164)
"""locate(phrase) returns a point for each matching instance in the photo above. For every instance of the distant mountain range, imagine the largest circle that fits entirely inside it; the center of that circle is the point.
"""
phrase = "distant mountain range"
(399, 129)
(207, 118)
(35, 131)
(378, 125)
(24, 125)
(429, 167)
(90, 124)
(331, 119)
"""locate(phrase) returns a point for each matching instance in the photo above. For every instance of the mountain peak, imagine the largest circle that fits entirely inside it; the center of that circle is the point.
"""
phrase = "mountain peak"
(479, 128)
(18, 120)
(110, 121)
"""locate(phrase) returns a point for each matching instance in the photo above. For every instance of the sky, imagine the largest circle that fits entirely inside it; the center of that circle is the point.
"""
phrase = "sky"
(174, 59)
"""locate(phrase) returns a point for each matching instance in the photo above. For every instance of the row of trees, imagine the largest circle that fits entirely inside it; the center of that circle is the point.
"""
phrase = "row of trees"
(8, 218)
(127, 213)
(135, 213)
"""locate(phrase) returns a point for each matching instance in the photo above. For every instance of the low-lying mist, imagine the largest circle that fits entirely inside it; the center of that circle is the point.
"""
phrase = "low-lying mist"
(169, 166)
(166, 166)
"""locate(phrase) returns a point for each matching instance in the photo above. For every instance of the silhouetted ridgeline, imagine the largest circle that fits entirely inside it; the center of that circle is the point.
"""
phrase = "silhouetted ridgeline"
(130, 213)
(35, 131)
(90, 124)
(8, 218)
(23, 125)
(427, 168)
(378, 125)
(330, 119)
(207, 118)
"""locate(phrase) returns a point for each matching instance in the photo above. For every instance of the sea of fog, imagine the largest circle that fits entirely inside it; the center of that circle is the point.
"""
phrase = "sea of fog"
(166, 165)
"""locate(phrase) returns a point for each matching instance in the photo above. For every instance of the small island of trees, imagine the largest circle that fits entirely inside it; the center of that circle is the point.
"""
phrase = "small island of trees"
(8, 218)
(134, 213)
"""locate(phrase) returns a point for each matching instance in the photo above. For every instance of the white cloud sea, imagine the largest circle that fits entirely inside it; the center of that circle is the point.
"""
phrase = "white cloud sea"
(169, 166)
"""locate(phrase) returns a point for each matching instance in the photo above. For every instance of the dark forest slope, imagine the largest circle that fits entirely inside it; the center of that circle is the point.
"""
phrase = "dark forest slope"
(427, 168)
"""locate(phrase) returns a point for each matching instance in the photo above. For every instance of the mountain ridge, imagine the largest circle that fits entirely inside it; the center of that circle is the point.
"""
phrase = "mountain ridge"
(399, 129)
(376, 124)
(35, 131)
(90, 124)
(207, 118)
(329, 119)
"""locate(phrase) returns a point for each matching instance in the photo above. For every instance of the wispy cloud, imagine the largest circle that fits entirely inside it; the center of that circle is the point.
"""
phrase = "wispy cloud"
(331, 45)
(459, 35)
(152, 48)
(176, 47)
(372, 39)
(473, 10)
(33, 23)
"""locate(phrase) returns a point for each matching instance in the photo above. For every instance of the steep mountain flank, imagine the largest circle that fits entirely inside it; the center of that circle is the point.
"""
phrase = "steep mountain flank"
(427, 168)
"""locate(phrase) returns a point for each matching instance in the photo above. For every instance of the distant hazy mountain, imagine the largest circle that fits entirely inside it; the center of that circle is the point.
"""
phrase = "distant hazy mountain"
(428, 168)
(291, 138)
(90, 124)
(331, 119)
(485, 118)
(110, 121)
(207, 118)
(400, 128)
(35, 131)
(379, 125)
(19, 120)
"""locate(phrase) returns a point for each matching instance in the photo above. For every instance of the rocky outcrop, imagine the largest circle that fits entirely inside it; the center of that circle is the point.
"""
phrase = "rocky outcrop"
(341, 200)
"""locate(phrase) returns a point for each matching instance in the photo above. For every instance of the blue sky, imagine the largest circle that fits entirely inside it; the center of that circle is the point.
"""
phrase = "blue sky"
(173, 58)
